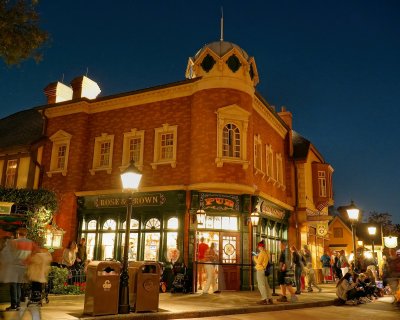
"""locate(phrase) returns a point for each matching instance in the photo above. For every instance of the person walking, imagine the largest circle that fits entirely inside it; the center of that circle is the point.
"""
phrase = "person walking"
(310, 277)
(210, 257)
(284, 282)
(261, 260)
(298, 267)
(326, 265)
(38, 270)
(21, 251)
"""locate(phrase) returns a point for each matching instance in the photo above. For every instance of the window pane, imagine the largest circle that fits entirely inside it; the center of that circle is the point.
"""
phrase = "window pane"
(134, 149)
(11, 173)
(90, 245)
(110, 225)
(133, 246)
(134, 224)
(105, 148)
(62, 150)
(153, 223)
(151, 247)
(172, 223)
(92, 225)
(108, 244)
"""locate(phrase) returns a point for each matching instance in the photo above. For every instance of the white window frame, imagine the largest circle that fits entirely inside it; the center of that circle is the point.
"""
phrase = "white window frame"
(258, 158)
(158, 134)
(11, 173)
(322, 183)
(269, 162)
(59, 139)
(279, 170)
(239, 117)
(126, 152)
(104, 138)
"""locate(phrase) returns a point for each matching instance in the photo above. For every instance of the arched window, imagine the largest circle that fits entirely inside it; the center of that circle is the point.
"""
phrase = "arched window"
(134, 224)
(172, 223)
(153, 223)
(231, 141)
(109, 225)
(92, 224)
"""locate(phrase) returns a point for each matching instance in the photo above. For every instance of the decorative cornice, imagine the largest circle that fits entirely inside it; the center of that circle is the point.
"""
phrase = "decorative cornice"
(234, 188)
(276, 201)
(268, 116)
(141, 189)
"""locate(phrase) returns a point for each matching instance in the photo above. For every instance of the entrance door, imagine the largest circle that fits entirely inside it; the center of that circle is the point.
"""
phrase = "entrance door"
(230, 258)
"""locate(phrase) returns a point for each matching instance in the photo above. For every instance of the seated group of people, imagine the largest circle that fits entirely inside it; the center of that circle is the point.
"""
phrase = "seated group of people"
(355, 288)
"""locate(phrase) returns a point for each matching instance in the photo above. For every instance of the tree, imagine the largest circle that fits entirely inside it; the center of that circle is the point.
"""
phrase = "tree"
(385, 219)
(21, 37)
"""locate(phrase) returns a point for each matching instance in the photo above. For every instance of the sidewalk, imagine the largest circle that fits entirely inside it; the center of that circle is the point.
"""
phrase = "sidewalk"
(179, 306)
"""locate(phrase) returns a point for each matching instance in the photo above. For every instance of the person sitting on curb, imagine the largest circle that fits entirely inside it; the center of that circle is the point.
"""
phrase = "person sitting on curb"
(347, 291)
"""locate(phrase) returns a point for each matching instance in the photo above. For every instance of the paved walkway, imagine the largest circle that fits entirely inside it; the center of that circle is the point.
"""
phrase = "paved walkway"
(179, 306)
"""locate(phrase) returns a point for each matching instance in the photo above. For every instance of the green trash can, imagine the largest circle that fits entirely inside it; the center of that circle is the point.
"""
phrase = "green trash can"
(102, 288)
(144, 285)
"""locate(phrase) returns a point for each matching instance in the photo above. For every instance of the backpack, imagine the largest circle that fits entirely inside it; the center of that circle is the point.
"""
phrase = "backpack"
(268, 269)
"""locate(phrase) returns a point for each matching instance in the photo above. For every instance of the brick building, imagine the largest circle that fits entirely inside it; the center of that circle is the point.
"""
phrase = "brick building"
(210, 142)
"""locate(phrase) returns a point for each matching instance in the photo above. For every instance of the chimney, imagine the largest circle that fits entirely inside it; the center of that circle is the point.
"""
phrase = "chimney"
(286, 116)
(57, 92)
(84, 87)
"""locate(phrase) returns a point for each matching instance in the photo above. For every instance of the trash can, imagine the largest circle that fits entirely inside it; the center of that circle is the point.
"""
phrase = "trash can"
(102, 288)
(144, 285)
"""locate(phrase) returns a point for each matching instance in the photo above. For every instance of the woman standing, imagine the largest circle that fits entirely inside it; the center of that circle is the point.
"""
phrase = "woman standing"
(261, 261)
(69, 255)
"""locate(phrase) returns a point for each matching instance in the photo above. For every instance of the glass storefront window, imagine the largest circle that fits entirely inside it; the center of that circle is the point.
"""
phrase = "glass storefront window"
(83, 224)
(107, 246)
(172, 240)
(172, 223)
(229, 247)
(220, 223)
(151, 246)
(133, 246)
(153, 223)
(90, 244)
(134, 224)
(110, 224)
(92, 224)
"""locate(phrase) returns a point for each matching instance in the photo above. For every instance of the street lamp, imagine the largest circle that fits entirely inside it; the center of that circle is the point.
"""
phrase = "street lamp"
(372, 232)
(390, 242)
(353, 213)
(130, 177)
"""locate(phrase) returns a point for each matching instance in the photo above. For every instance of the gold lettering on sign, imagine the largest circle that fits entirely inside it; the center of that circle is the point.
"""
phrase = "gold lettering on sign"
(145, 200)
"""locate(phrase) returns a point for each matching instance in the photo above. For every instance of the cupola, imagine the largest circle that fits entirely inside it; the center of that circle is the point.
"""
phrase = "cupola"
(223, 60)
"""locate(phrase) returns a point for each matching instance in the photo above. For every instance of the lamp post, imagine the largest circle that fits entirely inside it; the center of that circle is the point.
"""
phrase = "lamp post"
(130, 177)
(353, 213)
(254, 218)
(390, 242)
(372, 232)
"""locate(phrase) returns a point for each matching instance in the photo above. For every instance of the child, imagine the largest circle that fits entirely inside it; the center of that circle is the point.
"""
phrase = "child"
(310, 278)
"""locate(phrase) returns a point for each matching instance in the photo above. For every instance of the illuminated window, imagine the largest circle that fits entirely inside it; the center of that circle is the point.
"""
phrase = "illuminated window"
(153, 223)
(172, 223)
(133, 148)
(90, 245)
(257, 153)
(59, 153)
(322, 183)
(269, 162)
(165, 145)
(92, 224)
(133, 246)
(110, 225)
(103, 151)
(232, 136)
(219, 222)
(11, 173)
(134, 224)
(338, 232)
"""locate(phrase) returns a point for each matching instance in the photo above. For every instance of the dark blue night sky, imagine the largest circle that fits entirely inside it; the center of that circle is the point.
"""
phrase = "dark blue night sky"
(333, 64)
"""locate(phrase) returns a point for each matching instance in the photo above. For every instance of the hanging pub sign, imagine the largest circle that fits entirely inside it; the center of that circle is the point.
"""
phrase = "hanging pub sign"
(322, 229)
(221, 202)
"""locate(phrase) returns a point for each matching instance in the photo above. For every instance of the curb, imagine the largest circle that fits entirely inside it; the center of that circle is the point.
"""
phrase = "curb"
(212, 312)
